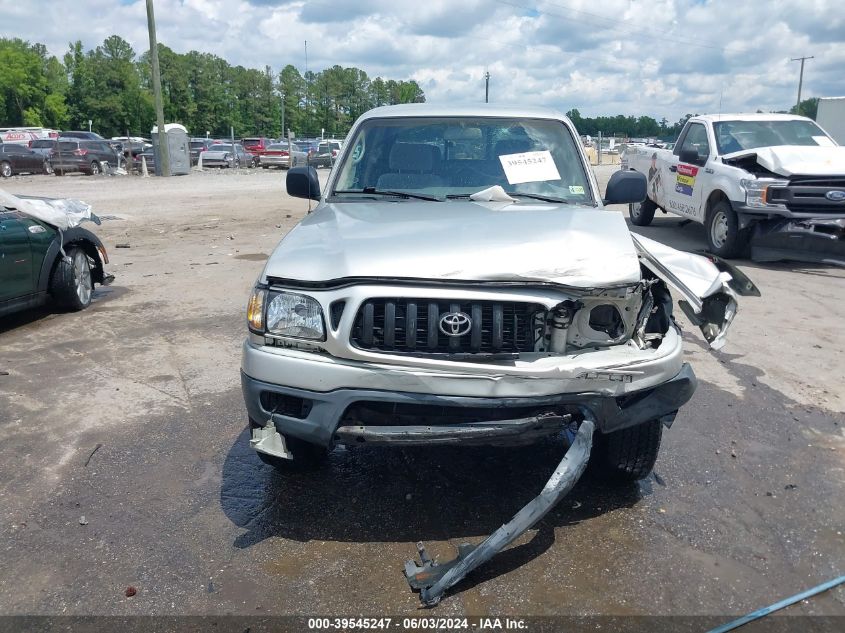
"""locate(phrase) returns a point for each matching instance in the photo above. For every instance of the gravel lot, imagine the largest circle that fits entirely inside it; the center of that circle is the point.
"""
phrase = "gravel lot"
(746, 507)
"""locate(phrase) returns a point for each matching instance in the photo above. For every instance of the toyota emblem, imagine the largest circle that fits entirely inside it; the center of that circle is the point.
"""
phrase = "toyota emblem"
(455, 324)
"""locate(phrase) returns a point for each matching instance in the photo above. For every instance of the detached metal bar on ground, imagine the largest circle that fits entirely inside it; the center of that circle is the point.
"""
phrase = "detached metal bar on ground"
(432, 580)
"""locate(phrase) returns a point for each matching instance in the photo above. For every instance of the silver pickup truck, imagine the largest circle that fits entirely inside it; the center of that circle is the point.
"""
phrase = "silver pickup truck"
(461, 283)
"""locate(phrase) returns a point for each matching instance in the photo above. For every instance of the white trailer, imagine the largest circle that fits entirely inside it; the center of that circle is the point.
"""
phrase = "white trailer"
(831, 117)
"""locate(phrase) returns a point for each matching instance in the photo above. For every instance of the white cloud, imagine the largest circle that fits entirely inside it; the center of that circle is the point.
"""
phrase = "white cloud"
(662, 58)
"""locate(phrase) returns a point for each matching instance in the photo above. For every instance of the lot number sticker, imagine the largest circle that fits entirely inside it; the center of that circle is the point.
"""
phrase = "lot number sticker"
(529, 167)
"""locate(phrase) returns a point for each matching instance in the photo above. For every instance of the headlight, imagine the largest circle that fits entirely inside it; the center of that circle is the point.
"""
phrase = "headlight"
(295, 315)
(756, 190)
(255, 309)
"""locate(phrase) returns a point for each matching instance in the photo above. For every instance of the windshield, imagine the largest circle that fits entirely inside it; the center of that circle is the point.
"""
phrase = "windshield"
(459, 156)
(220, 148)
(251, 141)
(735, 136)
(196, 144)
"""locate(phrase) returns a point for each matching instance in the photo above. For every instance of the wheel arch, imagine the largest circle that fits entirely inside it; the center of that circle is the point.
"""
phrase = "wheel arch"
(716, 196)
(81, 238)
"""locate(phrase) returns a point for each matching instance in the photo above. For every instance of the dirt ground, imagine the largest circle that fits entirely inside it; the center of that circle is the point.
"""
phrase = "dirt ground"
(129, 414)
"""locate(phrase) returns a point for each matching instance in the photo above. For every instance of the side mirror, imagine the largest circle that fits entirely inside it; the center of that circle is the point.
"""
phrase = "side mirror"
(302, 182)
(688, 156)
(626, 187)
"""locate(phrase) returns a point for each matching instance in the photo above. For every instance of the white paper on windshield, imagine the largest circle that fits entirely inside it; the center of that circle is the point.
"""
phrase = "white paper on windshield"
(529, 167)
(823, 141)
(491, 194)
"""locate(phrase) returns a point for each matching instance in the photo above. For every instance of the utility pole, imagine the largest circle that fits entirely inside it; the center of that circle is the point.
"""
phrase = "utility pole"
(163, 150)
(800, 78)
(487, 86)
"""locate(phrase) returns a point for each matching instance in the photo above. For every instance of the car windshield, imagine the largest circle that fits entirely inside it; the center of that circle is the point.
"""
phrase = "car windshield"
(196, 144)
(39, 144)
(454, 157)
(69, 146)
(221, 148)
(251, 141)
(277, 146)
(735, 136)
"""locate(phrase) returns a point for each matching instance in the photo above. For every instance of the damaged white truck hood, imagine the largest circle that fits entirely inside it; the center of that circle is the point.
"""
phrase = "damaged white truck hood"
(462, 240)
(62, 213)
(797, 160)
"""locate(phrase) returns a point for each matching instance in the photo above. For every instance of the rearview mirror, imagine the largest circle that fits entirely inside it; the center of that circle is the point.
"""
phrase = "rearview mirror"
(688, 156)
(302, 182)
(625, 187)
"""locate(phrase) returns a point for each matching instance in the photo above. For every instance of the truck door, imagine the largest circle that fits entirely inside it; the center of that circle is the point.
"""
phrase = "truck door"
(683, 191)
(15, 258)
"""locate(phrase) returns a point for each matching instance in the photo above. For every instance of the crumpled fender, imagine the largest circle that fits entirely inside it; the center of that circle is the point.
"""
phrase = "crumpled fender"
(708, 286)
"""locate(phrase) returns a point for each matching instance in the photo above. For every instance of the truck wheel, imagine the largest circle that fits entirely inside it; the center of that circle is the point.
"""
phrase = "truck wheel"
(306, 456)
(642, 213)
(628, 455)
(724, 238)
(70, 283)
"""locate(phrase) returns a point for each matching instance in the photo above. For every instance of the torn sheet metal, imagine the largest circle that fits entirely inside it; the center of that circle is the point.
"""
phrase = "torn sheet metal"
(790, 160)
(63, 213)
(708, 299)
(432, 580)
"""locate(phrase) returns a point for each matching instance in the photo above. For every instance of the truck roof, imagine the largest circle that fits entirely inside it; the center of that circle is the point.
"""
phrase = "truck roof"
(473, 109)
(753, 116)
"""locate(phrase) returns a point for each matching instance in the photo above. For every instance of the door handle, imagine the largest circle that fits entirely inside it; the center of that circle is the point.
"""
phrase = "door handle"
(673, 168)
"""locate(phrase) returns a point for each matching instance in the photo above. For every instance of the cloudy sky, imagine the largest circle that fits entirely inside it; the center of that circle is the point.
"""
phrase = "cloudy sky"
(660, 57)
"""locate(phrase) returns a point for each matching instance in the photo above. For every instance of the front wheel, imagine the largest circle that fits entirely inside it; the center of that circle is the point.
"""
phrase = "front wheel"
(5, 169)
(629, 454)
(724, 237)
(71, 283)
(642, 213)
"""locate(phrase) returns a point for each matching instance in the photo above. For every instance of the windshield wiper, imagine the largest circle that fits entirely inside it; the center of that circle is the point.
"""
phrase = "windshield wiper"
(388, 192)
(537, 196)
(534, 196)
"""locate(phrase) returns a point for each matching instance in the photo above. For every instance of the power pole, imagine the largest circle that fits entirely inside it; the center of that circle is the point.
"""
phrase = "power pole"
(800, 78)
(487, 86)
(163, 150)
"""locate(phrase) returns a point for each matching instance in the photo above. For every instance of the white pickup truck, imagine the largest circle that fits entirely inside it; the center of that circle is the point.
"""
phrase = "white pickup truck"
(773, 182)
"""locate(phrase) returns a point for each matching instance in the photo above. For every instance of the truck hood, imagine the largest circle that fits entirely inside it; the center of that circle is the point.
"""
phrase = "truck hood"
(459, 240)
(789, 160)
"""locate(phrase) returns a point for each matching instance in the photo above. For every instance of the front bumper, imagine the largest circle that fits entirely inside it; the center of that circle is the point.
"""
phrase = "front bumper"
(820, 240)
(315, 416)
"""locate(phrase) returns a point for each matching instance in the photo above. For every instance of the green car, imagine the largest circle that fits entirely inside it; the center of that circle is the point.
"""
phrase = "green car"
(33, 270)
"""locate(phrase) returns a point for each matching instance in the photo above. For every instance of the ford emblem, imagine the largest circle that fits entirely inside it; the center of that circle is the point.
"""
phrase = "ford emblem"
(835, 196)
(455, 324)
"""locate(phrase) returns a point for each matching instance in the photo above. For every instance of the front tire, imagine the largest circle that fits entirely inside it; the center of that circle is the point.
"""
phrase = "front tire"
(306, 456)
(5, 169)
(642, 213)
(724, 237)
(71, 283)
(629, 454)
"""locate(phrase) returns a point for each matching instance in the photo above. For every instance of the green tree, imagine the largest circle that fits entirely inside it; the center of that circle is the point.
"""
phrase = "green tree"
(808, 108)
